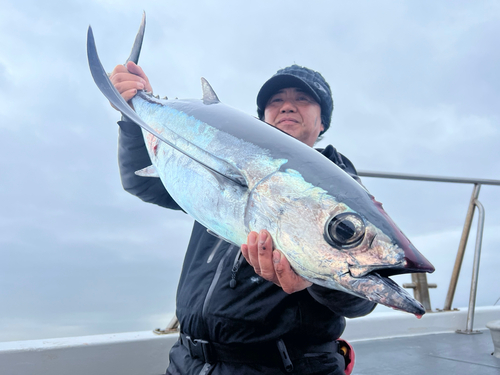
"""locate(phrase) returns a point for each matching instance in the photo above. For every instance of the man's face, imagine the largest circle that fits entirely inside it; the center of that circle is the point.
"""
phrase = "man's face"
(296, 113)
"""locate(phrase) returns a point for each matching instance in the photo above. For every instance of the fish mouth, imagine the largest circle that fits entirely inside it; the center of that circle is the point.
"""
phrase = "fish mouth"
(360, 271)
(384, 270)
(373, 281)
(378, 287)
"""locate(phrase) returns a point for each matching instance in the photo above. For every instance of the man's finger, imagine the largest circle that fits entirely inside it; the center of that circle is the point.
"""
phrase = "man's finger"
(137, 70)
(244, 251)
(123, 87)
(265, 255)
(288, 279)
(124, 77)
(129, 94)
(253, 255)
(119, 69)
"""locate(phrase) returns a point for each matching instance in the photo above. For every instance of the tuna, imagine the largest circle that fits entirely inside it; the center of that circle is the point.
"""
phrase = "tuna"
(234, 174)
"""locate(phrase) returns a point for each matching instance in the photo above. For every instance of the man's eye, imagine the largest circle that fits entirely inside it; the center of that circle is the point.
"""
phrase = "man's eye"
(275, 100)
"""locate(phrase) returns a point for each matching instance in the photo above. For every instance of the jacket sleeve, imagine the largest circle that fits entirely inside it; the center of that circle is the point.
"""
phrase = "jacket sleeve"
(133, 156)
(341, 303)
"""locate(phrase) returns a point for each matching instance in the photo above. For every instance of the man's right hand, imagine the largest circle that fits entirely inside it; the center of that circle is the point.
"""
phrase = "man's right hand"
(128, 79)
(270, 264)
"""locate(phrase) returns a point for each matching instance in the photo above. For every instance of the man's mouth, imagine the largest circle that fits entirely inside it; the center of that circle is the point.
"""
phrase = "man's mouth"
(287, 120)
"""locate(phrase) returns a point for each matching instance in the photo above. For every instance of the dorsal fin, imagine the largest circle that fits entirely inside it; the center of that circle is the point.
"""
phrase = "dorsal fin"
(209, 95)
(136, 48)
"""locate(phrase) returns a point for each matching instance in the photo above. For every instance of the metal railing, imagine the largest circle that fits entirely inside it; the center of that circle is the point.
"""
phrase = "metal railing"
(421, 286)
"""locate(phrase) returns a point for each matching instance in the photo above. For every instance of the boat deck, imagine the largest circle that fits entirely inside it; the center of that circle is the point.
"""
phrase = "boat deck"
(385, 343)
(443, 353)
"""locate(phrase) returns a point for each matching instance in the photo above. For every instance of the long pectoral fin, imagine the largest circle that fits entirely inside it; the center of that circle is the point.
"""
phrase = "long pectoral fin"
(215, 165)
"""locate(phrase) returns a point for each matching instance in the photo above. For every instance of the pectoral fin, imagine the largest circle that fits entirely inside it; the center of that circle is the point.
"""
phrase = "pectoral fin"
(147, 172)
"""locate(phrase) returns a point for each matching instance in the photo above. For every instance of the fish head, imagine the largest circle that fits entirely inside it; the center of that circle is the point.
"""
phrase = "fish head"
(353, 250)
(373, 249)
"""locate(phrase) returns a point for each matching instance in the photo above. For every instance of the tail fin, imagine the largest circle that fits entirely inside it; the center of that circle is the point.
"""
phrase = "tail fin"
(136, 48)
(102, 81)
(221, 169)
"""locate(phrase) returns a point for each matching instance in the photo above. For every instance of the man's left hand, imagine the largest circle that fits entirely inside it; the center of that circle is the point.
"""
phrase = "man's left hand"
(270, 263)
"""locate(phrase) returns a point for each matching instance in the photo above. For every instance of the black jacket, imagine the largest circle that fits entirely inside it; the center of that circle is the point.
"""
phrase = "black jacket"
(220, 299)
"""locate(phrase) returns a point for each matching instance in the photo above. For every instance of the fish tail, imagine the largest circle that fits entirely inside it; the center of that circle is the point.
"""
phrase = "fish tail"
(136, 48)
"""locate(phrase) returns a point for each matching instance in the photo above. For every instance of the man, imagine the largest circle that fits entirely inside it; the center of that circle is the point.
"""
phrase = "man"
(250, 314)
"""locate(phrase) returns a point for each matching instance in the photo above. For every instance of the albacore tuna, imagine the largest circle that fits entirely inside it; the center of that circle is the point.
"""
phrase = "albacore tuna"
(234, 174)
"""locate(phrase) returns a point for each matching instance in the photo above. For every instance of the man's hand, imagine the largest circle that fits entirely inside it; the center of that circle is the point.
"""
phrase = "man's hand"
(270, 264)
(128, 79)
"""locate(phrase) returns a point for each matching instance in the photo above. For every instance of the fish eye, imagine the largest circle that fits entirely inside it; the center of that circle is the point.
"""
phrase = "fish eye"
(345, 230)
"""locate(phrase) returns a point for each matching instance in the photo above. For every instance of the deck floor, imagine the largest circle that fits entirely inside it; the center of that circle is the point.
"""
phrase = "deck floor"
(445, 353)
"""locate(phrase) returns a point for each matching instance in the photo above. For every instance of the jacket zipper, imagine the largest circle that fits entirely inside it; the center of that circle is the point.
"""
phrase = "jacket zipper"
(215, 280)
(236, 266)
(212, 254)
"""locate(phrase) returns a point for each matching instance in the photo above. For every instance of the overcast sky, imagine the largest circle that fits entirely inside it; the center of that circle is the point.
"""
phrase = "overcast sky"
(416, 87)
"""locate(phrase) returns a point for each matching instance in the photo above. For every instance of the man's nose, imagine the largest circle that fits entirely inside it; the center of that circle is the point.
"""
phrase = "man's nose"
(288, 106)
